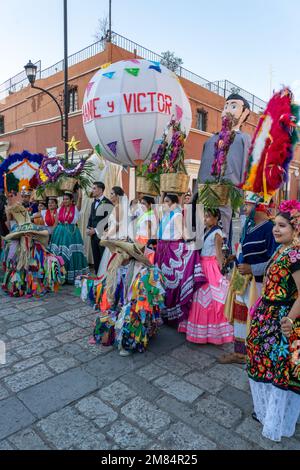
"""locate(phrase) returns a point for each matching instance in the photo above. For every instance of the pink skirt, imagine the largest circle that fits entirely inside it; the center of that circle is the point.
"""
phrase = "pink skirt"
(206, 322)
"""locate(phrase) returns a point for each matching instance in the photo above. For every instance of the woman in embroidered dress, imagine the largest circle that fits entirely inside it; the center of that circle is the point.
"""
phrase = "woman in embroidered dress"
(179, 263)
(273, 344)
(66, 239)
(206, 322)
(256, 247)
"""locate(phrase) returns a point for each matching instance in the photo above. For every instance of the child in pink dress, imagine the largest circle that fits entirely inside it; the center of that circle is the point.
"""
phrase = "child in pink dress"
(206, 322)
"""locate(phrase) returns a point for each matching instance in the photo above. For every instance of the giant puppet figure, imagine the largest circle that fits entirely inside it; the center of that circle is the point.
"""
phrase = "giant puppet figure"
(239, 108)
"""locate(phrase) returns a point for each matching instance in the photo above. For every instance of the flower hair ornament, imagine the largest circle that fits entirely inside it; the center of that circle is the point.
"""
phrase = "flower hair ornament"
(292, 208)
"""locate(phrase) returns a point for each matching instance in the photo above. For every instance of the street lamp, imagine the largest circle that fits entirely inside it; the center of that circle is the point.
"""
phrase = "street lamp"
(31, 70)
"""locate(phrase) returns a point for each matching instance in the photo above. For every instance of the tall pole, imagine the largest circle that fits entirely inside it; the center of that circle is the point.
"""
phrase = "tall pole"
(66, 91)
(271, 80)
(109, 27)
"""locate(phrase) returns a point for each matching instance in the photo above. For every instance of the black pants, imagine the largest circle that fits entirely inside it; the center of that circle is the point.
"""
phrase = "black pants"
(97, 251)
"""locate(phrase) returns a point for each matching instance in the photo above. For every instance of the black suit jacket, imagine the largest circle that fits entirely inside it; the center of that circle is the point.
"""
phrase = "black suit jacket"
(94, 219)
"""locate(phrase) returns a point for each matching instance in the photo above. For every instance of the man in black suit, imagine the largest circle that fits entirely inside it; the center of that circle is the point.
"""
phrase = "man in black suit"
(103, 207)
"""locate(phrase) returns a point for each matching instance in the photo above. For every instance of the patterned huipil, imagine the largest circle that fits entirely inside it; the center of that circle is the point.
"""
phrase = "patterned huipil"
(273, 358)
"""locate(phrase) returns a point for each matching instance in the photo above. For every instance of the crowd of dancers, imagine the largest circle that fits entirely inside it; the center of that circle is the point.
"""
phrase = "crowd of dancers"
(149, 270)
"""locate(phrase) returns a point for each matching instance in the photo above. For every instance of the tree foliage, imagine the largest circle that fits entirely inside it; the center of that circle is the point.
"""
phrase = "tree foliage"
(102, 29)
(170, 61)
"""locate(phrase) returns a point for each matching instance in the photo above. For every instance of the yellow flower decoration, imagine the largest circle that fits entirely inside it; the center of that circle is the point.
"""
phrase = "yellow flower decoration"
(43, 176)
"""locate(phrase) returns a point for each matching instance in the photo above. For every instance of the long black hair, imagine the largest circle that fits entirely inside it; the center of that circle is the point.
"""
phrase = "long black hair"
(214, 213)
(118, 191)
(148, 199)
(173, 198)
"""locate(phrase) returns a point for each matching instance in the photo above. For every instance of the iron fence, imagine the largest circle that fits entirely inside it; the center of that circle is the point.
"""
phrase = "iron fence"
(222, 87)
(225, 88)
(17, 82)
(74, 59)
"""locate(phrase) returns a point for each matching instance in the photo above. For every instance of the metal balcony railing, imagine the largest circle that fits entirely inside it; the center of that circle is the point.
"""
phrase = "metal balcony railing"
(17, 82)
(222, 88)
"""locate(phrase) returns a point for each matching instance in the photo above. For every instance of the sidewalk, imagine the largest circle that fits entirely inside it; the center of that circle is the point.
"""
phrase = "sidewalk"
(59, 392)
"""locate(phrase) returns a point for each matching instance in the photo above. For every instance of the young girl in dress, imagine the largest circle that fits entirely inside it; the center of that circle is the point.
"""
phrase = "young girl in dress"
(66, 240)
(206, 322)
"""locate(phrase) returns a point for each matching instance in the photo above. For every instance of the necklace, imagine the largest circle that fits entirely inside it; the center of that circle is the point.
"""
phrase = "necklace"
(283, 248)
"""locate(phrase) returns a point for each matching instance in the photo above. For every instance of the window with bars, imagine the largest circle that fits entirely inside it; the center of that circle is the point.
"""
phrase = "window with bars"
(2, 127)
(201, 120)
(73, 99)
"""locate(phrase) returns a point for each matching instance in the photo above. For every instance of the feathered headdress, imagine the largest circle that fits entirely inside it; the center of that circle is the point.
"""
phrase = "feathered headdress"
(271, 149)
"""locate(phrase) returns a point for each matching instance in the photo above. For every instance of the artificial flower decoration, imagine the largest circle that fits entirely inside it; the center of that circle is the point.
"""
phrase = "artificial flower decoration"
(222, 145)
(220, 190)
(52, 168)
(292, 207)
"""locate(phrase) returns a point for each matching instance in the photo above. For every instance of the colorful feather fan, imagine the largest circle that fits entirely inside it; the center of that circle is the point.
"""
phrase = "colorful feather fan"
(271, 149)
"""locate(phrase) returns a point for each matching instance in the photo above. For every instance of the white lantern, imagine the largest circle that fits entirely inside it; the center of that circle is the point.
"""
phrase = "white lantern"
(127, 106)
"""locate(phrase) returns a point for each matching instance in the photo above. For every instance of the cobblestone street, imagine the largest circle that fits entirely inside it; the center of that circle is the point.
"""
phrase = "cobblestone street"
(59, 392)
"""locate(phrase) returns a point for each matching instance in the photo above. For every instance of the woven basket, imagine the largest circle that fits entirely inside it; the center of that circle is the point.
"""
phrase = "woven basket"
(174, 183)
(145, 186)
(40, 197)
(67, 184)
(51, 192)
(221, 190)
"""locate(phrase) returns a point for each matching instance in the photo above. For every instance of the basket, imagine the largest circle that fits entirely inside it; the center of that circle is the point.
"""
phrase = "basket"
(40, 197)
(221, 191)
(174, 183)
(51, 192)
(145, 186)
(67, 184)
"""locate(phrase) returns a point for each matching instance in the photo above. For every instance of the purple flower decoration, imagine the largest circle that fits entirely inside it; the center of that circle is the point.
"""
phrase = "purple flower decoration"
(222, 145)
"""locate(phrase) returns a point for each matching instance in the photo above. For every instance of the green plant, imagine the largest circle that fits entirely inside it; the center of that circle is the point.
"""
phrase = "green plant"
(41, 189)
(210, 199)
(142, 171)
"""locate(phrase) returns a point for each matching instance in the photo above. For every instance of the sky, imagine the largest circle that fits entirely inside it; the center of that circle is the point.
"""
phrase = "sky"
(253, 43)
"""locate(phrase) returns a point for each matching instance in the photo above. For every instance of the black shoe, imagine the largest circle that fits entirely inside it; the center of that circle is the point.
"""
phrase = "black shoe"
(255, 417)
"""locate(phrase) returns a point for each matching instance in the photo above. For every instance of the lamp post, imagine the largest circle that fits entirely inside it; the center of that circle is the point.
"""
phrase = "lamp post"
(66, 90)
(31, 70)
(109, 20)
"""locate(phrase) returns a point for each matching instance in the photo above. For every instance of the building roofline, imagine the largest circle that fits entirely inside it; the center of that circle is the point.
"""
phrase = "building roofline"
(221, 87)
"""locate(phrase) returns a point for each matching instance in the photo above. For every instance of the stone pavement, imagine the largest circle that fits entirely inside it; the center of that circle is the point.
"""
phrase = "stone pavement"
(59, 392)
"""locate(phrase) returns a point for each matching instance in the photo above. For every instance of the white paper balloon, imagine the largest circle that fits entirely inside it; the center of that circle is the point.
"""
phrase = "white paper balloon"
(127, 106)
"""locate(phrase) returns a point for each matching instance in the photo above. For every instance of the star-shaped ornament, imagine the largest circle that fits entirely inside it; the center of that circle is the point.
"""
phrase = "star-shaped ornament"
(73, 144)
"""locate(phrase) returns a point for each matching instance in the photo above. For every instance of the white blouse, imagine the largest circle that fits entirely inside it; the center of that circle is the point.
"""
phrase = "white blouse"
(209, 248)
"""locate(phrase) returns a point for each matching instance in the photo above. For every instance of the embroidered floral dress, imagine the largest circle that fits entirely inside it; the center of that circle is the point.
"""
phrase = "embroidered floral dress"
(66, 241)
(273, 359)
